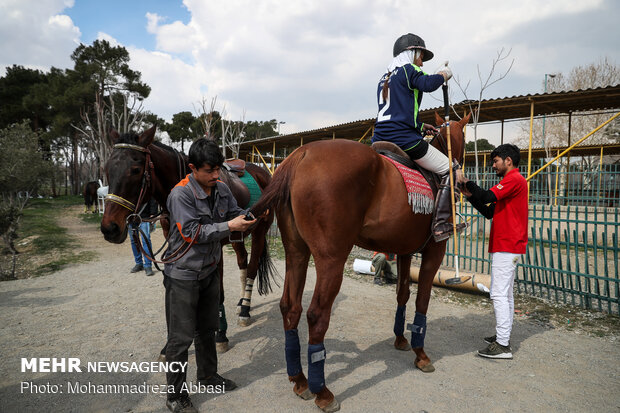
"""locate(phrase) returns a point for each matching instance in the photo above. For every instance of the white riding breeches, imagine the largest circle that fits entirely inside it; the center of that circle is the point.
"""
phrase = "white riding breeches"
(503, 266)
(434, 161)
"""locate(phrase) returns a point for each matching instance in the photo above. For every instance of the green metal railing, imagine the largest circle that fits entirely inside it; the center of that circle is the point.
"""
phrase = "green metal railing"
(572, 254)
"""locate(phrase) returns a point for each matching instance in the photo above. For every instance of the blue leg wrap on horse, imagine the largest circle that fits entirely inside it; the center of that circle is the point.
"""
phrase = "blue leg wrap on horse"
(292, 349)
(223, 323)
(418, 330)
(316, 367)
(399, 320)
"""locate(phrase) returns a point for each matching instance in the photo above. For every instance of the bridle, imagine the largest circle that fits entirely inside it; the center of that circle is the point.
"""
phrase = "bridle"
(442, 140)
(146, 181)
(134, 219)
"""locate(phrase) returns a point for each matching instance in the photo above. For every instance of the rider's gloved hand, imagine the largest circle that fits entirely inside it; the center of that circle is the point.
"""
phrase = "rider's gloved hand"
(445, 72)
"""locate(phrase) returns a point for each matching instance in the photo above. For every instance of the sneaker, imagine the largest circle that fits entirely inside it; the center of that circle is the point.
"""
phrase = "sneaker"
(491, 339)
(496, 351)
(378, 281)
(148, 271)
(217, 380)
(182, 404)
(136, 268)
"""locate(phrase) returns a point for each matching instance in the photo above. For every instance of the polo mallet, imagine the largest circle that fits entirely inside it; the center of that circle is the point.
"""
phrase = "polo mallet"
(458, 279)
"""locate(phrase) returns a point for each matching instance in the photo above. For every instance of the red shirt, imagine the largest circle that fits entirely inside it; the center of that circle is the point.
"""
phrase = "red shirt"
(509, 225)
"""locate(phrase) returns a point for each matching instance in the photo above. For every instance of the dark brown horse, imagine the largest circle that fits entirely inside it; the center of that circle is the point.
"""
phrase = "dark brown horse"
(90, 196)
(329, 196)
(141, 168)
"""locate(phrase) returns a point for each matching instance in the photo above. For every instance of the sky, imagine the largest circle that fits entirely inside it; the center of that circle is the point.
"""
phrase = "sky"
(310, 63)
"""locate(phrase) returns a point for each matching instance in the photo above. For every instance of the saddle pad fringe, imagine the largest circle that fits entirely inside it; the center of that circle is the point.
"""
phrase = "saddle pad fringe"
(419, 193)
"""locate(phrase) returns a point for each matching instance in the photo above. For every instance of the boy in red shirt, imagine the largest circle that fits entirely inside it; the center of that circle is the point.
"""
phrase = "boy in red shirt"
(507, 204)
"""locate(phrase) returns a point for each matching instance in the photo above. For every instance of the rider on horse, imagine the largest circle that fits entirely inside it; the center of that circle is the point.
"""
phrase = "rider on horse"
(399, 94)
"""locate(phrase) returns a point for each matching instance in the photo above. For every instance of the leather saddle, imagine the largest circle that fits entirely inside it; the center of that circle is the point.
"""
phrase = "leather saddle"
(238, 188)
(237, 166)
(394, 152)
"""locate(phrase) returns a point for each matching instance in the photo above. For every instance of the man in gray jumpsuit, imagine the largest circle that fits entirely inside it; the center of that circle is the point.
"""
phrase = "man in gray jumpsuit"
(203, 211)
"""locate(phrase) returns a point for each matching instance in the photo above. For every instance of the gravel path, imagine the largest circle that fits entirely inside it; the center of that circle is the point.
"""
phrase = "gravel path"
(99, 312)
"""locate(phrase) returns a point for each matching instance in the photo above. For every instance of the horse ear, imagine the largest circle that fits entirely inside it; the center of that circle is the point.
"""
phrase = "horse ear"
(147, 136)
(465, 120)
(114, 136)
(438, 120)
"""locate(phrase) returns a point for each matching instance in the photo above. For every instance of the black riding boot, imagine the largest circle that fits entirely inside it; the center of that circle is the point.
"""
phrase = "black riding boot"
(442, 226)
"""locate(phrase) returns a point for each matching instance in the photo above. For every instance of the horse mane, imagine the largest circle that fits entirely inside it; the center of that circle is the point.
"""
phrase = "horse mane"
(132, 139)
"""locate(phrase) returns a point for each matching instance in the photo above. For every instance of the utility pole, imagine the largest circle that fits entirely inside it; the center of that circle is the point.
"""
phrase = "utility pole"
(545, 116)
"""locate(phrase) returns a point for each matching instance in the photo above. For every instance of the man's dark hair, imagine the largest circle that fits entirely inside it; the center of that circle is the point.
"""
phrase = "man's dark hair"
(507, 150)
(205, 152)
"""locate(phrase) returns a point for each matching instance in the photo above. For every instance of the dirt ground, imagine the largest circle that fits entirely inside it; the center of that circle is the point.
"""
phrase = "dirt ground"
(97, 311)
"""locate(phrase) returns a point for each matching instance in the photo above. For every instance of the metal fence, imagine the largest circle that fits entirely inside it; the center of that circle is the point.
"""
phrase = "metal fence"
(572, 254)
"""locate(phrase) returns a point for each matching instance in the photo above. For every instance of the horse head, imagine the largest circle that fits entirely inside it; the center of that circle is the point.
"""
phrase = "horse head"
(457, 137)
(128, 171)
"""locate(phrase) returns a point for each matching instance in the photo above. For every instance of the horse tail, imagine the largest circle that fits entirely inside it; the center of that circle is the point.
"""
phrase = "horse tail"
(275, 196)
(266, 272)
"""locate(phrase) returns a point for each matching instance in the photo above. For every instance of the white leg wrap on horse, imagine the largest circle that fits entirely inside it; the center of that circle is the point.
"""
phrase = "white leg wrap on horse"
(434, 161)
(243, 275)
(247, 297)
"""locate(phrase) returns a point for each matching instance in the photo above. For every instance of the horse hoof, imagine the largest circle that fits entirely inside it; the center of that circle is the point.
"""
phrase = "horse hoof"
(306, 394)
(334, 406)
(426, 368)
(244, 321)
(402, 344)
(221, 347)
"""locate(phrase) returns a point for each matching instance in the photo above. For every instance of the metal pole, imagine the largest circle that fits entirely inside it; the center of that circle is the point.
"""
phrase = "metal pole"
(600, 170)
(567, 150)
(273, 158)
(529, 150)
(557, 176)
(502, 136)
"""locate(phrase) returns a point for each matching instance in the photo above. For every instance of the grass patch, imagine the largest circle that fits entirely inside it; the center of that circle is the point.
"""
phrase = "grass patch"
(39, 223)
(63, 261)
(44, 246)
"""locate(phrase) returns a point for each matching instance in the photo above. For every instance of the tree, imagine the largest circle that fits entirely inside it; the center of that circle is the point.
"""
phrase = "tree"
(261, 129)
(233, 134)
(601, 73)
(14, 86)
(118, 97)
(184, 127)
(485, 82)
(483, 145)
(22, 170)
(68, 92)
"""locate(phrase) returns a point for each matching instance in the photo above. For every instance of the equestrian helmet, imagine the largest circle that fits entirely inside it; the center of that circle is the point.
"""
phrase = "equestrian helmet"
(411, 41)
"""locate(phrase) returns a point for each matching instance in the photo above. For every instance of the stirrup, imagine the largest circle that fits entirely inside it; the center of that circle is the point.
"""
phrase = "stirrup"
(439, 236)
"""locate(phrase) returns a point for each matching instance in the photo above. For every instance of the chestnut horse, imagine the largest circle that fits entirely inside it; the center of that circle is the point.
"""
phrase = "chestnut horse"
(329, 196)
(139, 167)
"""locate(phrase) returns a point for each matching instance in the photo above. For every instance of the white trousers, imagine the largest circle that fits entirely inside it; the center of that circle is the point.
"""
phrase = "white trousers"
(434, 161)
(503, 266)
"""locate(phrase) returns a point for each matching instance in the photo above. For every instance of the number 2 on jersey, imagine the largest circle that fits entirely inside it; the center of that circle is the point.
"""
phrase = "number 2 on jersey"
(381, 116)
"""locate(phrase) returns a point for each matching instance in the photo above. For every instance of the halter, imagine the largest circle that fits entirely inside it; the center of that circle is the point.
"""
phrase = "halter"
(146, 181)
(135, 218)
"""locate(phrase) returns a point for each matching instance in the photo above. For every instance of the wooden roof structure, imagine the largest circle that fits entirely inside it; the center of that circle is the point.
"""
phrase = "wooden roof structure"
(491, 110)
